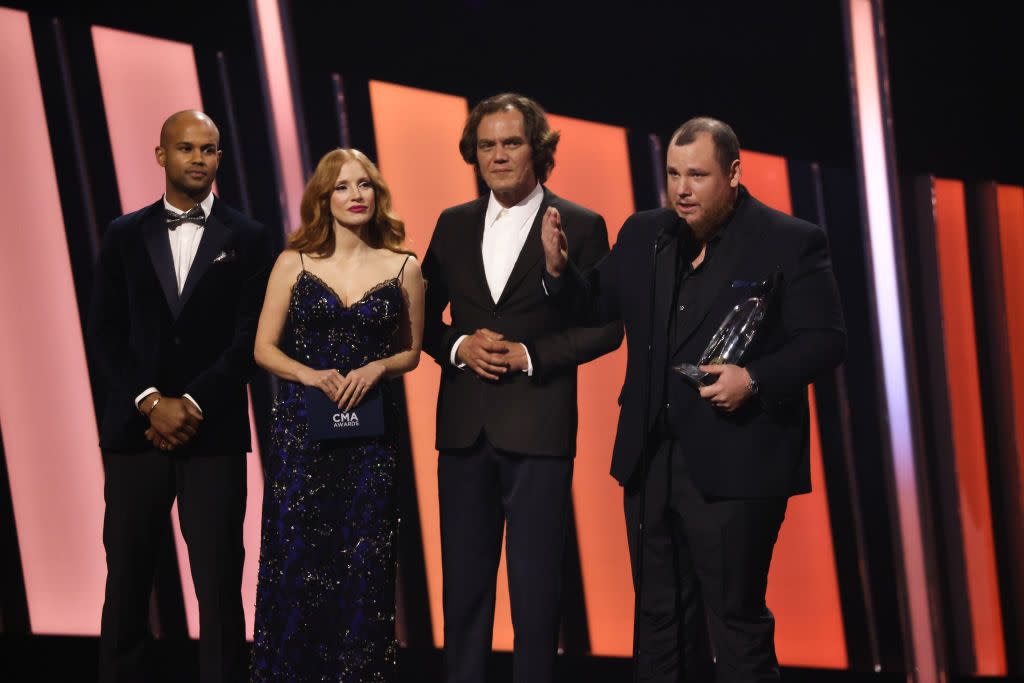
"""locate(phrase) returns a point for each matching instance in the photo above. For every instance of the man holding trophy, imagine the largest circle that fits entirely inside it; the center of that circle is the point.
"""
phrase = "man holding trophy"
(731, 310)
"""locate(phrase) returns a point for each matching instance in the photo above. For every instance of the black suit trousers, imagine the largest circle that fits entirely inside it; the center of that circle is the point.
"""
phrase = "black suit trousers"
(139, 490)
(705, 568)
(483, 491)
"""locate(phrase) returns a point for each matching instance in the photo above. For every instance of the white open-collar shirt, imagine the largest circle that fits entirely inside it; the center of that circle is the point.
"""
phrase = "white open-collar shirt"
(505, 233)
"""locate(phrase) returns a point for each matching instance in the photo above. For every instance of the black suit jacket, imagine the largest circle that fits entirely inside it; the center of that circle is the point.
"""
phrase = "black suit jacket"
(520, 414)
(143, 334)
(761, 449)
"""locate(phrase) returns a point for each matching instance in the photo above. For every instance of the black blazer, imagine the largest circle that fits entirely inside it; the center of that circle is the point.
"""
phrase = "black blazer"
(520, 414)
(761, 449)
(142, 334)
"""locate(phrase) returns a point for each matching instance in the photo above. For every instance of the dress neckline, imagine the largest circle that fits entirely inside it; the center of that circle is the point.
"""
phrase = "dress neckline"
(377, 287)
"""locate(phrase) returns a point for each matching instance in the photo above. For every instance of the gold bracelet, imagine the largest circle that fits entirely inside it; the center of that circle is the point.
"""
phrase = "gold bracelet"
(153, 407)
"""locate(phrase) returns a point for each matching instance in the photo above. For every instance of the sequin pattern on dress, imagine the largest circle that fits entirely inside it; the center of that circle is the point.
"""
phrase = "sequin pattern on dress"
(325, 598)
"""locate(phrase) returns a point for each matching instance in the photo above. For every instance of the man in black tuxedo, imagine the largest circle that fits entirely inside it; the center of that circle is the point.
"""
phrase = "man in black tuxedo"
(722, 460)
(506, 414)
(173, 319)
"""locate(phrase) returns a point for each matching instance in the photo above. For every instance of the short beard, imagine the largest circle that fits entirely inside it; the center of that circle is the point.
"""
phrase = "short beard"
(705, 228)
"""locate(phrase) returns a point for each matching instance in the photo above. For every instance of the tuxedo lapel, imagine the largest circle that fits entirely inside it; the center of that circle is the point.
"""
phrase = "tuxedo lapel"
(531, 252)
(476, 257)
(741, 235)
(158, 244)
(215, 236)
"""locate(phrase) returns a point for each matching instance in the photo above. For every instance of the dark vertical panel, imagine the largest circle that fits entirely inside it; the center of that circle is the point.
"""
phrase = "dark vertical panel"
(71, 148)
(838, 458)
(937, 438)
(341, 110)
(644, 168)
(229, 83)
(216, 90)
(847, 238)
(990, 305)
(13, 601)
(316, 88)
(64, 48)
(69, 156)
(291, 38)
(360, 114)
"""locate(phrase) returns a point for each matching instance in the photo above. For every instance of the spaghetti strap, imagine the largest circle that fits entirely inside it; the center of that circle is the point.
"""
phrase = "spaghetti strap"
(399, 276)
(302, 261)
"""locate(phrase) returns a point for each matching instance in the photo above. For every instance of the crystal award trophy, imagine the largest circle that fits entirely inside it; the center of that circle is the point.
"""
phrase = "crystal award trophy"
(734, 335)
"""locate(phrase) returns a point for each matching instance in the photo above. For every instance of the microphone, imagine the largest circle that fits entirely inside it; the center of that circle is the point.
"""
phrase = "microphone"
(667, 233)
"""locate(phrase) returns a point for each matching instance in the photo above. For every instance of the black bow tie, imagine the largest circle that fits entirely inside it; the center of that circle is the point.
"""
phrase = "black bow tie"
(193, 215)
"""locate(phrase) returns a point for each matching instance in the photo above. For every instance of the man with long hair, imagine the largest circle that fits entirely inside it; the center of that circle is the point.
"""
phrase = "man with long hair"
(506, 414)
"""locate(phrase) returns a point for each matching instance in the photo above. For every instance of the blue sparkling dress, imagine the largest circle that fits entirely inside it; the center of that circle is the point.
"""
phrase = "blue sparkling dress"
(325, 605)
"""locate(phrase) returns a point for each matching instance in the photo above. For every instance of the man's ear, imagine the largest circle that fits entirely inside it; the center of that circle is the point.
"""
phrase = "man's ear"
(161, 156)
(734, 173)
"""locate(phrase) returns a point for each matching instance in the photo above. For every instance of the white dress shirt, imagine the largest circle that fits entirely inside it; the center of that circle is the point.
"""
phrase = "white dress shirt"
(505, 233)
(184, 241)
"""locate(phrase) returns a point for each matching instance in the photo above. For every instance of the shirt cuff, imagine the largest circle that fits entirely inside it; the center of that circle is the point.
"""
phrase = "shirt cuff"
(193, 402)
(141, 397)
(529, 361)
(551, 284)
(455, 347)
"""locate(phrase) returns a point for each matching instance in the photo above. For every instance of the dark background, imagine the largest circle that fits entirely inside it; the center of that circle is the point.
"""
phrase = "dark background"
(776, 71)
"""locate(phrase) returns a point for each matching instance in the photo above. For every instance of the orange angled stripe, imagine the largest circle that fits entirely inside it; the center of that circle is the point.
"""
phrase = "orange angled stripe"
(1010, 201)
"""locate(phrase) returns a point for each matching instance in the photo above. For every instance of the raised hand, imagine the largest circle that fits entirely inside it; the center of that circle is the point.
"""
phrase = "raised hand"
(556, 246)
(484, 353)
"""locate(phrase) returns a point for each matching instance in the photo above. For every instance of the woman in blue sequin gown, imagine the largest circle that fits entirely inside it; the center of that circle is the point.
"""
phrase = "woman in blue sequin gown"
(343, 312)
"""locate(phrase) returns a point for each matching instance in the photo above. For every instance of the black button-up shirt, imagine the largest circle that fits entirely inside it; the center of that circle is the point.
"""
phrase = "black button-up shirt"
(678, 258)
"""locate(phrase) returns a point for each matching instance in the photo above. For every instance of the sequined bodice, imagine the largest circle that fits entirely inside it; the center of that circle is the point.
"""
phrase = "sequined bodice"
(325, 333)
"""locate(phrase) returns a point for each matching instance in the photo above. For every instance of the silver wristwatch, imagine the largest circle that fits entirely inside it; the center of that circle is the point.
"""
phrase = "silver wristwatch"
(752, 386)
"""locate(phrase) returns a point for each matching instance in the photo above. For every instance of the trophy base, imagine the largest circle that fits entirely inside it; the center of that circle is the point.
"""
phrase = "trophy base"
(694, 375)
